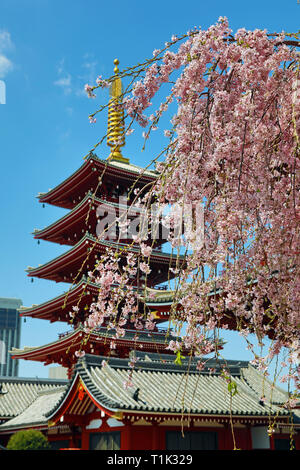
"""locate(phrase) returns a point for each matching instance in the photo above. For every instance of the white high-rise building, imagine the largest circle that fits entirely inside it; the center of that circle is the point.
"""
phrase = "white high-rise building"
(10, 332)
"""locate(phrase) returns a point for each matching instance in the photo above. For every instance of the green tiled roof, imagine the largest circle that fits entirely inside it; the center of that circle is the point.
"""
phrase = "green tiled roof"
(166, 387)
(18, 393)
(263, 387)
(34, 414)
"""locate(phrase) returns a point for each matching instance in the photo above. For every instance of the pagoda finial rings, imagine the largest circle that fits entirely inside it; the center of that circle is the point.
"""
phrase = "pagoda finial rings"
(116, 62)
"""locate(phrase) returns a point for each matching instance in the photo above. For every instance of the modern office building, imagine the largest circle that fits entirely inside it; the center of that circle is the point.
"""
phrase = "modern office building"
(10, 332)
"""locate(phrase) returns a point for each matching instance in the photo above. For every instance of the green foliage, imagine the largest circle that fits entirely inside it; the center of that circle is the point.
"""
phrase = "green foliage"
(232, 386)
(179, 358)
(28, 440)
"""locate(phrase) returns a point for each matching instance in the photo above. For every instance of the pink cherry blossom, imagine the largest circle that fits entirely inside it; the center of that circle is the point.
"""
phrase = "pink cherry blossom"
(145, 268)
(234, 148)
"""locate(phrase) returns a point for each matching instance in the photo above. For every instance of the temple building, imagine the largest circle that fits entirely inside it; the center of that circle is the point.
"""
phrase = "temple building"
(132, 395)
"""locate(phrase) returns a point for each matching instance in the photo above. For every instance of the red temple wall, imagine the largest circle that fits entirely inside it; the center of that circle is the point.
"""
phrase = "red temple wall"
(153, 437)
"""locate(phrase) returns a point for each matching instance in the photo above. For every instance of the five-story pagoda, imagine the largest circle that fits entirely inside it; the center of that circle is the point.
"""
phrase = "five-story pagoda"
(97, 195)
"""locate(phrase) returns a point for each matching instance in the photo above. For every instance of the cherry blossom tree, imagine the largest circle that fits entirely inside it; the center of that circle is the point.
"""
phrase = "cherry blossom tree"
(233, 148)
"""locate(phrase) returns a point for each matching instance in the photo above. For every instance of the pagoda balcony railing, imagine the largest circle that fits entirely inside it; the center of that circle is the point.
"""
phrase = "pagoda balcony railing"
(158, 332)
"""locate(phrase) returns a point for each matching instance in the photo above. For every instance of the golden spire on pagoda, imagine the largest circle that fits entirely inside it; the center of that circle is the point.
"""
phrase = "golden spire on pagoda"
(116, 122)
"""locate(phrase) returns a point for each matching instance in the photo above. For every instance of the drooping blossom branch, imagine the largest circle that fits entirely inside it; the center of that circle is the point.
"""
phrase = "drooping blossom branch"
(234, 149)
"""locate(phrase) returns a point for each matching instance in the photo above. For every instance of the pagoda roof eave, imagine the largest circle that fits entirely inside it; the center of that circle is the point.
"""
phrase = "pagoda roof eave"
(84, 172)
(74, 253)
(58, 308)
(35, 352)
(73, 341)
(61, 302)
(65, 220)
(54, 232)
(52, 268)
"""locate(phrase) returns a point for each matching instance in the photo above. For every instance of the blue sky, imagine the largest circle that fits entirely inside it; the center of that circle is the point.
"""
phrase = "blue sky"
(49, 49)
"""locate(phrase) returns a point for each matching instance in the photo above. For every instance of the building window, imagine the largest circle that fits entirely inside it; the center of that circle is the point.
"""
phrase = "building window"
(192, 440)
(8, 318)
(105, 440)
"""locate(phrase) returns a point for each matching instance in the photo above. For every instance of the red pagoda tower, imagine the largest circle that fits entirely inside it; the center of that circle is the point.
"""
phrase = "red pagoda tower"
(99, 189)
